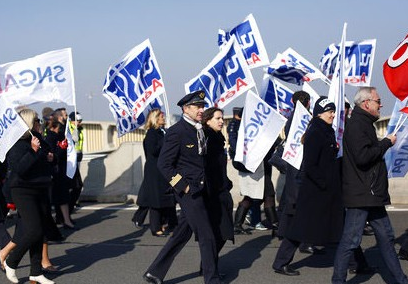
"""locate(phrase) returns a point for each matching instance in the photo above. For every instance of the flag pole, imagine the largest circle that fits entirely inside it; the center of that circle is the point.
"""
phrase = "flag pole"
(276, 95)
(398, 125)
(166, 107)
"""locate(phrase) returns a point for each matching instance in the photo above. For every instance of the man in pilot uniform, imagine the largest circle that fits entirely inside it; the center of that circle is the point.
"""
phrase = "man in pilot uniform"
(181, 162)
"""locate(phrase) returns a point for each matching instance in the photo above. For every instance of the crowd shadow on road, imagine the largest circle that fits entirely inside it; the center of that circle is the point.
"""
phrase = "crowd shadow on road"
(242, 257)
(89, 254)
(372, 255)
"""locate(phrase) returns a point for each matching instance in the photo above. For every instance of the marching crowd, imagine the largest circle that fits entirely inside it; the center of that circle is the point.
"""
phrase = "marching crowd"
(33, 180)
(327, 201)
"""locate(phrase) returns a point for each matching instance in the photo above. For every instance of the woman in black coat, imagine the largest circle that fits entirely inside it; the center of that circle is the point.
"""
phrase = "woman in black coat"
(29, 178)
(319, 212)
(218, 198)
(61, 182)
(153, 194)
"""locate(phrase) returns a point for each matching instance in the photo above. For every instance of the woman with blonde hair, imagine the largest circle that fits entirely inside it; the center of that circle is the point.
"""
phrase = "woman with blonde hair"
(29, 178)
(153, 194)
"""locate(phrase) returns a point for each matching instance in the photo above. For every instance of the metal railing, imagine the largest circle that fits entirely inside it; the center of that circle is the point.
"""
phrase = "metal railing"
(102, 136)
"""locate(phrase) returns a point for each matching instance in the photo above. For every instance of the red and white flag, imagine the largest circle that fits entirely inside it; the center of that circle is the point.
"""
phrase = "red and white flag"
(395, 70)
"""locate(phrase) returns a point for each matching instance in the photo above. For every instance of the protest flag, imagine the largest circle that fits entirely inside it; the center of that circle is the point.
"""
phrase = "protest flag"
(277, 95)
(133, 85)
(12, 127)
(260, 127)
(48, 77)
(249, 39)
(225, 78)
(396, 156)
(395, 70)
(358, 61)
(293, 151)
(71, 152)
(291, 67)
(337, 94)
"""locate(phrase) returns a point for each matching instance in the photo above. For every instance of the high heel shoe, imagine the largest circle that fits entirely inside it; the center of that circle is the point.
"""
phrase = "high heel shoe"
(10, 273)
(40, 279)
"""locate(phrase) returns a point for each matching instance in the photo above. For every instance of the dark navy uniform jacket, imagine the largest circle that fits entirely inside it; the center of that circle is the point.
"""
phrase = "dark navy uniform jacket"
(179, 161)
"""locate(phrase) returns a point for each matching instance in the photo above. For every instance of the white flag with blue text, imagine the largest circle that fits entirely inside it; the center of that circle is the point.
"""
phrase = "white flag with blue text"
(259, 128)
(250, 40)
(126, 123)
(225, 78)
(12, 127)
(277, 95)
(293, 151)
(337, 94)
(358, 61)
(396, 157)
(48, 77)
(291, 67)
(71, 153)
(132, 85)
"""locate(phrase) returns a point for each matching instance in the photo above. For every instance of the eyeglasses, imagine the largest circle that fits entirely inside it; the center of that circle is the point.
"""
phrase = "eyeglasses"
(38, 120)
(377, 101)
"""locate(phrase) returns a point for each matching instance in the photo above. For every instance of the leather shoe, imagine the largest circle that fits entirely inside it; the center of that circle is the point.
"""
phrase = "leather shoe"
(286, 270)
(152, 279)
(239, 230)
(138, 225)
(312, 250)
(306, 249)
(363, 270)
(403, 254)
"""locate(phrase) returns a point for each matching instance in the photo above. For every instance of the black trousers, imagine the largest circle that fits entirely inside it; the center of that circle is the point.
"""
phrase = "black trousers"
(76, 190)
(32, 206)
(193, 218)
(285, 253)
(140, 215)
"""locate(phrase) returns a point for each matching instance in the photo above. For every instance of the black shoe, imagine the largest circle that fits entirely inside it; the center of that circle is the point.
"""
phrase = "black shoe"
(138, 225)
(57, 239)
(363, 270)
(403, 254)
(312, 250)
(286, 270)
(68, 227)
(307, 249)
(239, 230)
(152, 279)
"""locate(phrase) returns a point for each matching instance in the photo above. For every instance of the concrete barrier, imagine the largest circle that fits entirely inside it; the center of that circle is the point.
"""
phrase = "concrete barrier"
(117, 176)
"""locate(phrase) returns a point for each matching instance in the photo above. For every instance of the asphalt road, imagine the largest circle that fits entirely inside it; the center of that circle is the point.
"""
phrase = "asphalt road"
(108, 249)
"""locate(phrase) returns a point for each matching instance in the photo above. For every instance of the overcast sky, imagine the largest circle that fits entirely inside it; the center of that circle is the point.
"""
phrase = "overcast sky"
(184, 37)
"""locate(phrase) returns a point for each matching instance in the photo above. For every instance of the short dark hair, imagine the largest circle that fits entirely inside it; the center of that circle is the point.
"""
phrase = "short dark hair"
(301, 96)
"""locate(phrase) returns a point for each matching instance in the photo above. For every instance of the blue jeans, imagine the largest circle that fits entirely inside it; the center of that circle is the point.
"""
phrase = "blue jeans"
(351, 239)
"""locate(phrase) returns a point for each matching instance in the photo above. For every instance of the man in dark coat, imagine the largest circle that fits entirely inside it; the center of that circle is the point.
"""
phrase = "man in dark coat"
(365, 186)
(181, 162)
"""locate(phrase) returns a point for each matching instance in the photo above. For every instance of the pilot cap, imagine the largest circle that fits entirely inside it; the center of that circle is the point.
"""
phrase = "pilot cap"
(196, 97)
